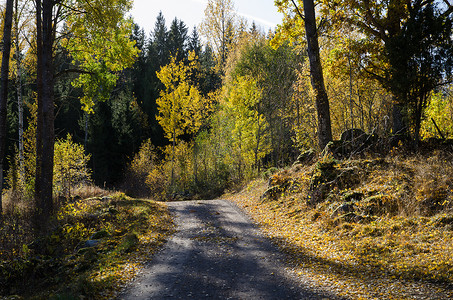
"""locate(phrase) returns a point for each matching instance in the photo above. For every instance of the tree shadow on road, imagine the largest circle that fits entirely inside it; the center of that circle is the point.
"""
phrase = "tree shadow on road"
(220, 255)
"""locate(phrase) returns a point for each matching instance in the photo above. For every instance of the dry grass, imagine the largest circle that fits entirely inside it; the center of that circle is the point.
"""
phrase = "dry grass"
(396, 244)
(18, 209)
(59, 266)
(89, 191)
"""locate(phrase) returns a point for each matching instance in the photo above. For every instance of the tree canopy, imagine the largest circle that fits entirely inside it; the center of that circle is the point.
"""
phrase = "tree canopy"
(224, 101)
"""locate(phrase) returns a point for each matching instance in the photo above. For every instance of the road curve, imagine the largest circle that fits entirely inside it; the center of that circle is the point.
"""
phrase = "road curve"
(216, 253)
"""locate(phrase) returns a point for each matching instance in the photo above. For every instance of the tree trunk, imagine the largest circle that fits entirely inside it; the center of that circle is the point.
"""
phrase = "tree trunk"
(20, 103)
(399, 126)
(317, 79)
(85, 142)
(258, 139)
(420, 105)
(223, 37)
(173, 146)
(8, 23)
(45, 125)
(351, 89)
(195, 163)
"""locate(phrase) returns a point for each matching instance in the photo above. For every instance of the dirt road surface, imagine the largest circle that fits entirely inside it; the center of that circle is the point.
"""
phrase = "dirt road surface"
(217, 253)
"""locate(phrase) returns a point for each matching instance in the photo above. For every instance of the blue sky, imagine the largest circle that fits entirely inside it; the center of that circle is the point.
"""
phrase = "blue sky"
(145, 12)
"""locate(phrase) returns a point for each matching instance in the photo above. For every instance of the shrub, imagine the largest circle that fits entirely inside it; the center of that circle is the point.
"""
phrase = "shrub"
(157, 183)
(182, 167)
(70, 167)
(269, 172)
(325, 171)
(135, 181)
(433, 184)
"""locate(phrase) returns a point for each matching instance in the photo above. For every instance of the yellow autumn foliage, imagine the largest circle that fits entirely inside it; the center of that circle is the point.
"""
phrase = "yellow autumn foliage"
(70, 166)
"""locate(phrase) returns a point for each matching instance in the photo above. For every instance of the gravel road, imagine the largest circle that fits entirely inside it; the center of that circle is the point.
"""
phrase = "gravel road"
(217, 253)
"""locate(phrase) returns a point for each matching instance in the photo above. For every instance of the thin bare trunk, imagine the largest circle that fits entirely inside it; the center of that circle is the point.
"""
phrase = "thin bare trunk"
(173, 145)
(257, 148)
(223, 37)
(85, 143)
(258, 139)
(20, 103)
(351, 100)
(195, 163)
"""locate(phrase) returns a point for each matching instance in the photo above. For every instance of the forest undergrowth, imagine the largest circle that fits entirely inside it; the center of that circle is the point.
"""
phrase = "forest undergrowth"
(95, 246)
(369, 228)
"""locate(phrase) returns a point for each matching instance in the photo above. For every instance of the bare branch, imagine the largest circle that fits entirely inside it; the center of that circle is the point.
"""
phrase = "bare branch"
(72, 71)
(380, 29)
(298, 11)
(72, 9)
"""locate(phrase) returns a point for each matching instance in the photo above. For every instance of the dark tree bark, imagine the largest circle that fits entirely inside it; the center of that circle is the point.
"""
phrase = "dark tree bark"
(317, 79)
(399, 127)
(8, 23)
(45, 121)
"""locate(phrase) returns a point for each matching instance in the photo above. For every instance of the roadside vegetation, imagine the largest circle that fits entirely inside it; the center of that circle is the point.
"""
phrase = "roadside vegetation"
(93, 247)
(367, 228)
(96, 239)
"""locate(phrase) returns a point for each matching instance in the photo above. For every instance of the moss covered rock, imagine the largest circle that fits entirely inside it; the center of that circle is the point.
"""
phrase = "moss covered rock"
(306, 157)
(272, 193)
(129, 243)
(99, 235)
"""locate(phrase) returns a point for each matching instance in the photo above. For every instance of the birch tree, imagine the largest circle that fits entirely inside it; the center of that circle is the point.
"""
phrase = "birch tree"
(249, 130)
(22, 27)
(220, 24)
(181, 106)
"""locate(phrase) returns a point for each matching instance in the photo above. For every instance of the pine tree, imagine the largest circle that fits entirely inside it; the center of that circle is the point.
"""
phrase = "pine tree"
(194, 43)
(177, 38)
(160, 42)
